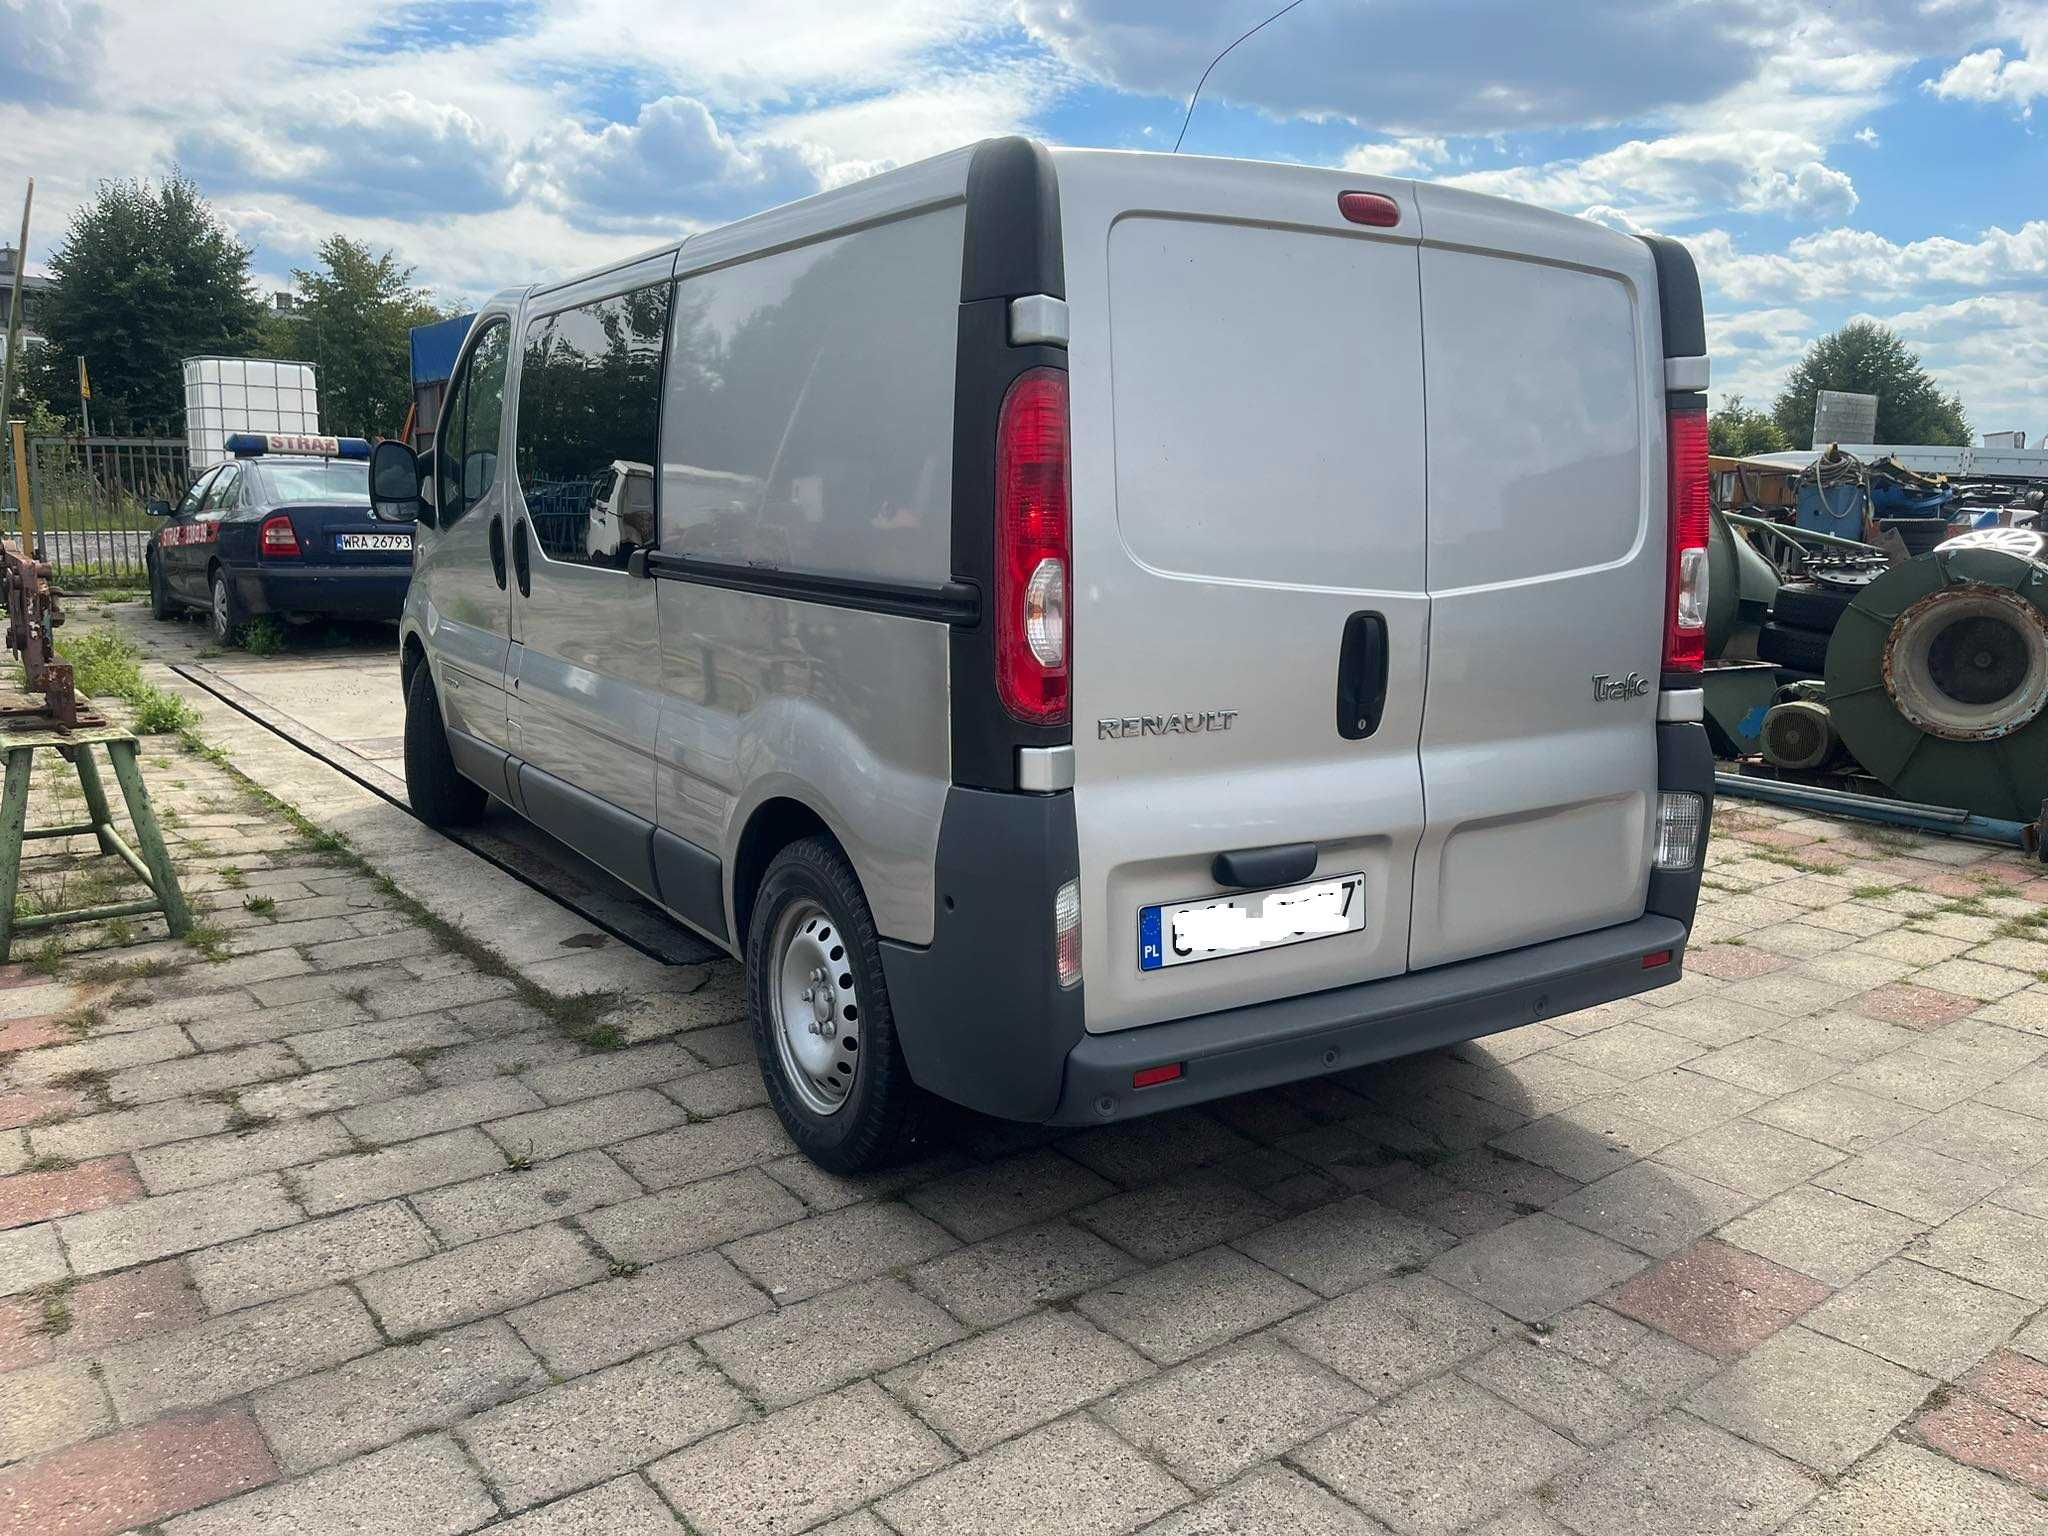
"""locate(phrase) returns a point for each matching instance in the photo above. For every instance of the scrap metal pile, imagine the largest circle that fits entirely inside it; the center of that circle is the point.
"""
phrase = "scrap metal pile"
(33, 616)
(1878, 624)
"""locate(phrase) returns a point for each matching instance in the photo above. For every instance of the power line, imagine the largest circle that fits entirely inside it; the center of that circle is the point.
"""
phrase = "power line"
(1291, 4)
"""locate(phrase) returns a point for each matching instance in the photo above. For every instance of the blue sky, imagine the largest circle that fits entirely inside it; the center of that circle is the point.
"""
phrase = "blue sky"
(1824, 158)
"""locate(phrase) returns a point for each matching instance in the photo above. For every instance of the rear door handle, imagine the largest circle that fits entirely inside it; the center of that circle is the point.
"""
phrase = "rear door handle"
(498, 550)
(1362, 676)
(522, 567)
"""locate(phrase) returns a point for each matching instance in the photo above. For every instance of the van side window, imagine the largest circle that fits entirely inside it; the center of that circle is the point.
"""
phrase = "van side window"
(466, 449)
(589, 404)
(809, 424)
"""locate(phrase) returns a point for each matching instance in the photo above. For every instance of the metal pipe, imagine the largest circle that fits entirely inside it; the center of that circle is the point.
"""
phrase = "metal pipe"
(1798, 535)
(1945, 820)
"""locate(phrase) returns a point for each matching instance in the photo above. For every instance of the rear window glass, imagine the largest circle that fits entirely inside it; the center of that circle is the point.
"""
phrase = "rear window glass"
(344, 480)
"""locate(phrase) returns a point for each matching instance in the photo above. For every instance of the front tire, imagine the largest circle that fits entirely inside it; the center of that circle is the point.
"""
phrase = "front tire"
(160, 606)
(440, 796)
(225, 611)
(819, 1009)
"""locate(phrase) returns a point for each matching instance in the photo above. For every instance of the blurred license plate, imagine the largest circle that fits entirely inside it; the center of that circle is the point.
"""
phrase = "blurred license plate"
(1188, 931)
(348, 542)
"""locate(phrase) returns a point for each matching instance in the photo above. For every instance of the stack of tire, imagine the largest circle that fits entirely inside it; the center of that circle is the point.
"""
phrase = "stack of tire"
(1803, 617)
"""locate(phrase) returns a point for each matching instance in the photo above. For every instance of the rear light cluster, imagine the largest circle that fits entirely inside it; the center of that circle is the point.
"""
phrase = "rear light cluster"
(278, 536)
(1685, 616)
(1034, 497)
(1681, 819)
(1066, 933)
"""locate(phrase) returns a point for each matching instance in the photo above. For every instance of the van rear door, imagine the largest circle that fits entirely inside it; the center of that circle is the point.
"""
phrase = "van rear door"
(1246, 383)
(1546, 561)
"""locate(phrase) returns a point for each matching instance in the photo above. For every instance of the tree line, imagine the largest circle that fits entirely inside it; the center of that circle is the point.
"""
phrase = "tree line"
(149, 275)
(1862, 358)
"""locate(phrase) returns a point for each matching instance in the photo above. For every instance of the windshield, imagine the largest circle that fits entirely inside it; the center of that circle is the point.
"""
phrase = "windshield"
(345, 480)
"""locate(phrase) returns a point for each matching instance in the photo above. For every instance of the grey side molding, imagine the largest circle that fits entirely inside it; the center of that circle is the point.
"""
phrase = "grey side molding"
(1681, 706)
(1040, 319)
(1685, 373)
(1045, 770)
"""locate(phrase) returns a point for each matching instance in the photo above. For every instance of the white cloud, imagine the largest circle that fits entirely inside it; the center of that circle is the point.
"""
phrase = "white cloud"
(1849, 263)
(1397, 157)
(49, 49)
(1867, 137)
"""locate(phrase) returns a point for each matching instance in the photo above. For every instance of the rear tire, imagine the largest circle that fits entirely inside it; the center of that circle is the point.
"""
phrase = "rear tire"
(224, 613)
(1797, 650)
(1815, 608)
(160, 604)
(438, 794)
(819, 1009)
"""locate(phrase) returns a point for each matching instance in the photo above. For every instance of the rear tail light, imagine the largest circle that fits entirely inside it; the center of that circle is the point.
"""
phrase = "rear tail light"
(1033, 548)
(1680, 818)
(1066, 932)
(1685, 617)
(1152, 1077)
(1656, 958)
(278, 536)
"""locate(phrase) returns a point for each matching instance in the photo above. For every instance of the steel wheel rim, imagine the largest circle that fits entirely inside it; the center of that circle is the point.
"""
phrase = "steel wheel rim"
(814, 1006)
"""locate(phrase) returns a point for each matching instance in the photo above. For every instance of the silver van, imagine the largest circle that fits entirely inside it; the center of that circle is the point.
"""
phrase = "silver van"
(1101, 631)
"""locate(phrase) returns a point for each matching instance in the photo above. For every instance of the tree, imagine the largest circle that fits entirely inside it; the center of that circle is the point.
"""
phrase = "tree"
(147, 276)
(1739, 430)
(353, 323)
(1866, 358)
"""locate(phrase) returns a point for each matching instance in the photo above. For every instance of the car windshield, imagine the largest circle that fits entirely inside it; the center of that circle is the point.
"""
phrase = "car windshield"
(345, 480)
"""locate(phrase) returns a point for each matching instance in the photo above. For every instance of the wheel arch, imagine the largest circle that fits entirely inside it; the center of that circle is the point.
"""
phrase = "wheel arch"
(770, 827)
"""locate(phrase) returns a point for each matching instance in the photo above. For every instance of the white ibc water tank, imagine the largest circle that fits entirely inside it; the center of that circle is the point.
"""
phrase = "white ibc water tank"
(226, 395)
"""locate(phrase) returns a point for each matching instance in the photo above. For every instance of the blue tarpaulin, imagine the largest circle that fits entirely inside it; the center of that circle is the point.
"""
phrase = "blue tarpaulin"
(434, 348)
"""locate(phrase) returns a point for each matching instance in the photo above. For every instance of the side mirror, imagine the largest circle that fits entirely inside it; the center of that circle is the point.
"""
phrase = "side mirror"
(394, 483)
(157, 507)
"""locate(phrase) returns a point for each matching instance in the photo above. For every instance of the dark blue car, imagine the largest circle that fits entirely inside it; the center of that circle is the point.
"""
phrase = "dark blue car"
(282, 528)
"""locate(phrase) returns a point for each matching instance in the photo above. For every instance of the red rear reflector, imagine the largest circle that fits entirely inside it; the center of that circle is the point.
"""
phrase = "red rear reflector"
(1656, 958)
(1152, 1077)
(1373, 208)
(278, 537)
(1685, 611)
(1033, 496)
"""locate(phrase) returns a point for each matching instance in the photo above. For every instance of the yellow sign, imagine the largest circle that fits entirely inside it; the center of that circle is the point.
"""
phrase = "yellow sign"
(84, 383)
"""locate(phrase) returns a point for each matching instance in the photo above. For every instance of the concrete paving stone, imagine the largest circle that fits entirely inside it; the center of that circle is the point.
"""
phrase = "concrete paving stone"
(509, 1056)
(1525, 1518)
(1337, 1248)
(403, 1169)
(1978, 1042)
(1904, 1490)
(215, 1159)
(1517, 1180)
(449, 991)
(1822, 1234)
(342, 954)
(286, 991)
(1018, 1191)
(1685, 1102)
(308, 1256)
(704, 1151)
(1766, 1065)
(1913, 1077)
(691, 1217)
(506, 1018)
(222, 1028)
(1177, 1310)
(2026, 1011)
(168, 1224)
(1973, 978)
(1911, 1007)
(625, 1506)
(1394, 1332)
(1639, 1357)
(605, 1072)
(1536, 1266)
(1014, 1378)
(440, 1109)
(1348, 1155)
(1214, 1417)
(1812, 1398)
(1719, 1299)
(2012, 1381)
(1141, 1151)
(1430, 1200)
(40, 1106)
(1541, 1084)
(423, 1487)
(1652, 1208)
(1839, 1116)
(822, 1191)
(600, 1425)
(1173, 1218)
(1006, 1276)
(766, 1478)
(396, 1392)
(1849, 968)
(1915, 1181)
(47, 1193)
(1991, 1246)
(2027, 1194)
(1269, 1499)
(246, 970)
(1457, 1121)
(1513, 1044)
(718, 1091)
(193, 1075)
(820, 1345)
(1630, 1050)
(1848, 1037)
(30, 1258)
(614, 1320)
(476, 1280)
(1073, 1476)
(1750, 1157)
(101, 1313)
(1441, 1457)
(1923, 1319)
(1586, 1142)
(524, 1197)
(823, 1252)
(31, 998)
(1713, 1020)
(1788, 993)
(353, 1042)
(1576, 1399)
(241, 1352)
(721, 1045)
(106, 1053)
(1678, 1474)
(49, 1406)
(355, 1088)
(133, 1478)
(2008, 1144)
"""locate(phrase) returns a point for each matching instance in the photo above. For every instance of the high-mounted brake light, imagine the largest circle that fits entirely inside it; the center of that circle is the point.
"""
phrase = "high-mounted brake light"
(1033, 548)
(1374, 208)
(278, 537)
(1685, 613)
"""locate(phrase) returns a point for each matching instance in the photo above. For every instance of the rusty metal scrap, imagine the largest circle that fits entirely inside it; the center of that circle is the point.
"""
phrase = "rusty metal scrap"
(33, 617)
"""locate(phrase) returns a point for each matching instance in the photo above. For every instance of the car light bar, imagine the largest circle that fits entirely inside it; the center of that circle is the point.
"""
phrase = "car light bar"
(253, 445)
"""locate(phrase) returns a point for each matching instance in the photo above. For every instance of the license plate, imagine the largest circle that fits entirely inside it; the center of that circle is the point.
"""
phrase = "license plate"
(348, 542)
(1187, 931)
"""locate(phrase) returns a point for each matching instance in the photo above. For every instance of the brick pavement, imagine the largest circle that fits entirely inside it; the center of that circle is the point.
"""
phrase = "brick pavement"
(336, 1227)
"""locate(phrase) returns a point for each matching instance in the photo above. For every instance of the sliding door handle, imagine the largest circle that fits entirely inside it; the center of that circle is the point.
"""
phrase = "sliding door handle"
(522, 564)
(1362, 676)
(498, 550)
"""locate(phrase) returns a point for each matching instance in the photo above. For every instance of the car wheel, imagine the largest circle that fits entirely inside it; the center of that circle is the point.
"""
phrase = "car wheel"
(819, 1010)
(225, 611)
(160, 605)
(439, 795)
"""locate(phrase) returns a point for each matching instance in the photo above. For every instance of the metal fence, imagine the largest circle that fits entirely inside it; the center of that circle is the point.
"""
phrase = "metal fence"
(89, 495)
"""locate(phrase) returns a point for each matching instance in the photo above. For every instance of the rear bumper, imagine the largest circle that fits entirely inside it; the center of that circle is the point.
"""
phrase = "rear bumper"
(342, 591)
